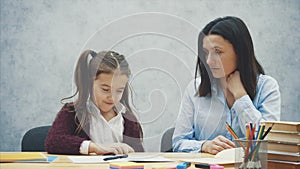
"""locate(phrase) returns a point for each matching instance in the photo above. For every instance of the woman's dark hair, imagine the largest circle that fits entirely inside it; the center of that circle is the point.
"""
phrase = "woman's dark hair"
(236, 32)
(87, 70)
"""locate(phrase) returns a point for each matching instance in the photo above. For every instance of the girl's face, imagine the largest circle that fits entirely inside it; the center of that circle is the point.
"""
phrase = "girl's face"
(108, 90)
(220, 55)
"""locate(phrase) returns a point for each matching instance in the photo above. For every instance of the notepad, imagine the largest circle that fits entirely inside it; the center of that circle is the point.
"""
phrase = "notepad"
(126, 165)
(33, 157)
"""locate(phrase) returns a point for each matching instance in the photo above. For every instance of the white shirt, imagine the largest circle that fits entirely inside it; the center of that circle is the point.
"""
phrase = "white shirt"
(102, 131)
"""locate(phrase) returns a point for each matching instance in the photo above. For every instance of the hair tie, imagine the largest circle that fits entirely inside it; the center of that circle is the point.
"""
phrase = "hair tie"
(93, 54)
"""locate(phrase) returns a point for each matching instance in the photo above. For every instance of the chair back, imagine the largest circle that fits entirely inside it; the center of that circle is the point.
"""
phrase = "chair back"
(34, 139)
(166, 140)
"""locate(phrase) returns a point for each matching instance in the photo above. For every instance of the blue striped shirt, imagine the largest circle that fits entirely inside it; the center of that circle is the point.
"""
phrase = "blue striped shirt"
(204, 118)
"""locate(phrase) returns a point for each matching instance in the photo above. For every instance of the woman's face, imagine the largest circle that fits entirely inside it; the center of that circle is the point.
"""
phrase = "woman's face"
(220, 55)
(108, 90)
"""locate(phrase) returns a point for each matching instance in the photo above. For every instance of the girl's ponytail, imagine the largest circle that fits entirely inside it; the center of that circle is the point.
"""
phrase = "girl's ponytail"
(83, 83)
(82, 78)
(81, 75)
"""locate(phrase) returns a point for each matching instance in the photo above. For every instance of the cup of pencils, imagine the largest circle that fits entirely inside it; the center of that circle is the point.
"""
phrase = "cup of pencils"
(254, 155)
(255, 149)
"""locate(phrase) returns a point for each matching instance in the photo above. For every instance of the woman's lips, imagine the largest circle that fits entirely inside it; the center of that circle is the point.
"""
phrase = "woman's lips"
(214, 68)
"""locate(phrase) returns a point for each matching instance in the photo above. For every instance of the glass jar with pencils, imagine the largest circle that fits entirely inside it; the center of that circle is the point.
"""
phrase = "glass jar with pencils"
(253, 156)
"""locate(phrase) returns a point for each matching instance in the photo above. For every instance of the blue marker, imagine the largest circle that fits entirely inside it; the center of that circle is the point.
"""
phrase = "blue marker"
(183, 165)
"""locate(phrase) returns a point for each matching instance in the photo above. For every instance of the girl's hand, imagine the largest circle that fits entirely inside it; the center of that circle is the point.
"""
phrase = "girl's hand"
(115, 148)
(235, 85)
(217, 144)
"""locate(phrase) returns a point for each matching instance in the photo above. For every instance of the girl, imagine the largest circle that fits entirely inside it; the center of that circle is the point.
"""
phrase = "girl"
(100, 120)
(232, 89)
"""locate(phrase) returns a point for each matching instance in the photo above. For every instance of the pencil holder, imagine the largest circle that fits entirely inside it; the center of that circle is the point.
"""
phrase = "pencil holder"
(253, 156)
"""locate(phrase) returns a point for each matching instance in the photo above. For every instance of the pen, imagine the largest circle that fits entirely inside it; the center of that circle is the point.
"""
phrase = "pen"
(201, 165)
(115, 157)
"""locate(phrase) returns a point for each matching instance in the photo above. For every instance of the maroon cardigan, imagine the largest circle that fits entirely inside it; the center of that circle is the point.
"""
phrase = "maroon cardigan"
(62, 138)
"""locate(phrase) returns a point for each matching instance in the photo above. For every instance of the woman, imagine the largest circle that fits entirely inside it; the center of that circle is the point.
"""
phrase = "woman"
(232, 89)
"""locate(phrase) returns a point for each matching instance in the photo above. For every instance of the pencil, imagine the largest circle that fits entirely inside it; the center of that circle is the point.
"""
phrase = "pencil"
(266, 133)
(233, 134)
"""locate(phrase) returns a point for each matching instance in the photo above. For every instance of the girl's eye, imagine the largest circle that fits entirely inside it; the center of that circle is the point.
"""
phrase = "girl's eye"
(105, 90)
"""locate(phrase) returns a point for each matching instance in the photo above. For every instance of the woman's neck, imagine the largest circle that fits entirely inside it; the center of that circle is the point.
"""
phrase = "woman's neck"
(228, 95)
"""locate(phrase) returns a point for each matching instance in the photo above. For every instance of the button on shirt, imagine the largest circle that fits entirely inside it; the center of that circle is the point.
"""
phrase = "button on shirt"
(102, 131)
(204, 118)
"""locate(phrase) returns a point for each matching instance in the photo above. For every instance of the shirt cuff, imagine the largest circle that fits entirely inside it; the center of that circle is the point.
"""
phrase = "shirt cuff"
(242, 104)
(84, 147)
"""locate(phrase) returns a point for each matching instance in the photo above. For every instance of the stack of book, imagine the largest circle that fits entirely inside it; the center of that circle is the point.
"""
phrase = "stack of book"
(283, 144)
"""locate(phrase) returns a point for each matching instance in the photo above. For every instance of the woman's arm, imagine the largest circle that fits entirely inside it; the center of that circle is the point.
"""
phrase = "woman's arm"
(183, 137)
(266, 108)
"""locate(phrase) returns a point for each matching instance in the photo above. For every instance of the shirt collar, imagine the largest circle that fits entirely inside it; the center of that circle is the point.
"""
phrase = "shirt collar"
(216, 91)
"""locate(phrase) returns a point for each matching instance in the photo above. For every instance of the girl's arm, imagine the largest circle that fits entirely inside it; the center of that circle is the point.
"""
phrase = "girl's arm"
(61, 138)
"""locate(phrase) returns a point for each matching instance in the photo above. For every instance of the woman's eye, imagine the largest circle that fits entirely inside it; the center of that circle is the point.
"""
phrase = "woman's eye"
(217, 52)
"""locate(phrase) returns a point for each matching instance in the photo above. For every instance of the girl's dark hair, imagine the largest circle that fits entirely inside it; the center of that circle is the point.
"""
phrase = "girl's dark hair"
(87, 70)
(236, 32)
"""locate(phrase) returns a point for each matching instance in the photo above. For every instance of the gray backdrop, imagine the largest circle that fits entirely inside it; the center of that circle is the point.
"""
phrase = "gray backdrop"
(41, 41)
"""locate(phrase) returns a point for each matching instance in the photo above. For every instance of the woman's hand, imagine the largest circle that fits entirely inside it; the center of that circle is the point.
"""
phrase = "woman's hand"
(217, 144)
(235, 85)
(114, 148)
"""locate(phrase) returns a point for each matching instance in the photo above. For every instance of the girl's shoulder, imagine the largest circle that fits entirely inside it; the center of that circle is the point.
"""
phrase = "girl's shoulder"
(68, 107)
(129, 116)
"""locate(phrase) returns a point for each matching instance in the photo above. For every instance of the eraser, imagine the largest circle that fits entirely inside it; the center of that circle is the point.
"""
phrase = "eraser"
(213, 166)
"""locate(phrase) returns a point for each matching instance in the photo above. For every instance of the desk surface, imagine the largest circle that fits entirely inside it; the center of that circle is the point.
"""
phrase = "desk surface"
(64, 162)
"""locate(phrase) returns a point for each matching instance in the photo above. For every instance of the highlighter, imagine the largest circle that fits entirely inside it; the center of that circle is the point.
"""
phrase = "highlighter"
(183, 165)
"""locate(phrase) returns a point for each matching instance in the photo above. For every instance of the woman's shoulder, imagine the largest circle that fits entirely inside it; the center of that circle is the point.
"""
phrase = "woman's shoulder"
(193, 85)
(266, 80)
(266, 83)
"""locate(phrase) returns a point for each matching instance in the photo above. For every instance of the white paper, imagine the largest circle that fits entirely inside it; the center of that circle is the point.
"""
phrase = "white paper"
(148, 158)
(93, 159)
(131, 157)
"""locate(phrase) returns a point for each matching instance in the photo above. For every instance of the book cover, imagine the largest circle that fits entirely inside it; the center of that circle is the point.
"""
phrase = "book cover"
(22, 157)
(283, 137)
(275, 155)
(276, 164)
(284, 126)
(284, 146)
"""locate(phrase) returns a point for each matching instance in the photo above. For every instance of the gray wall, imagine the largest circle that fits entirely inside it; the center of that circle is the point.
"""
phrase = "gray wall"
(41, 41)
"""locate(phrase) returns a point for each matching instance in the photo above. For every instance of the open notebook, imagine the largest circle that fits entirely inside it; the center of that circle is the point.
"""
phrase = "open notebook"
(225, 157)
